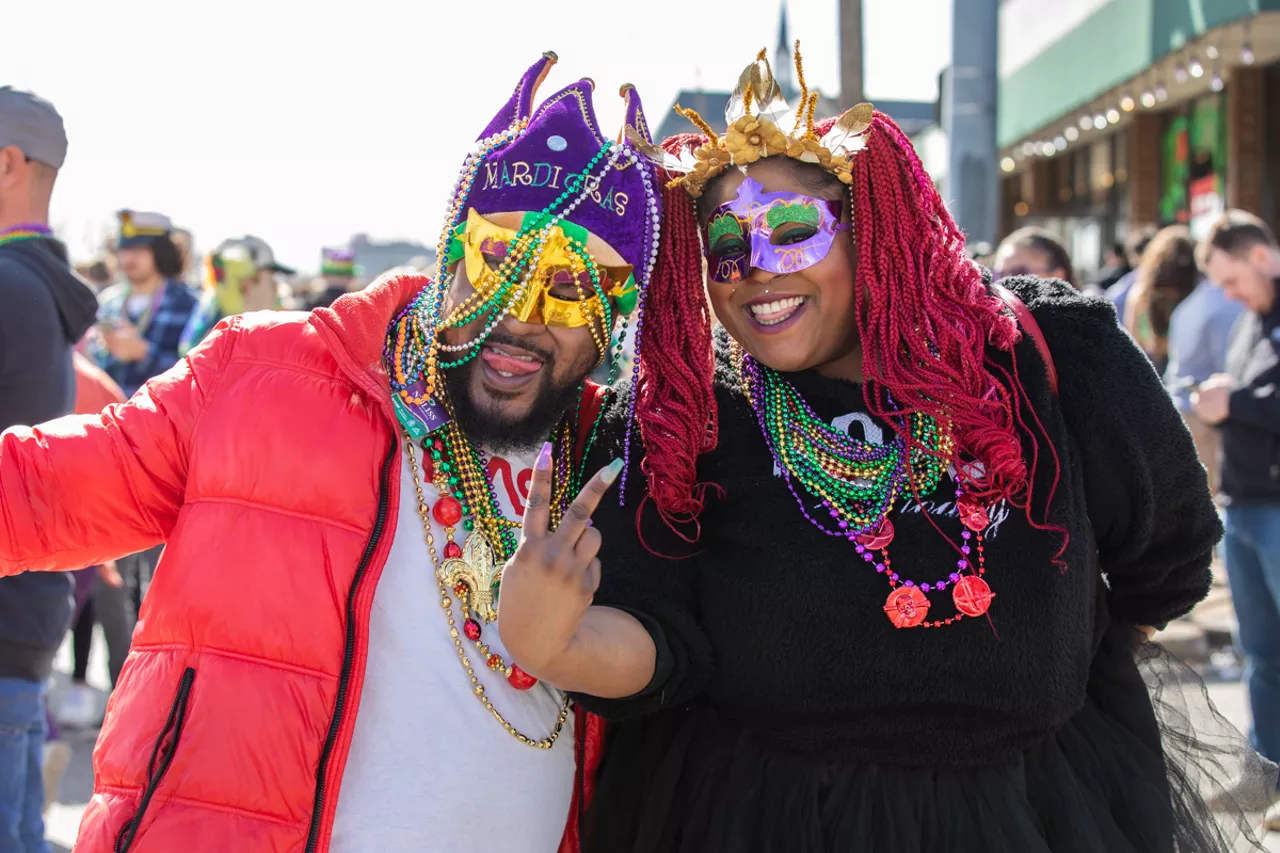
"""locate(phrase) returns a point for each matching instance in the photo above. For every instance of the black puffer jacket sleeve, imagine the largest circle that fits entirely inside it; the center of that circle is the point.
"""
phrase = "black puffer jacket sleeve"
(1147, 494)
(651, 572)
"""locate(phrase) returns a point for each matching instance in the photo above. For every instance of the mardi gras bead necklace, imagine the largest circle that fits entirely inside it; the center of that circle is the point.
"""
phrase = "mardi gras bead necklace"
(471, 573)
(457, 205)
(474, 573)
(859, 484)
(24, 231)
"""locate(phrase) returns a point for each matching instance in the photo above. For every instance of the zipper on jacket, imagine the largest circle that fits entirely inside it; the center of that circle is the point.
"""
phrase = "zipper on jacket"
(349, 649)
(161, 757)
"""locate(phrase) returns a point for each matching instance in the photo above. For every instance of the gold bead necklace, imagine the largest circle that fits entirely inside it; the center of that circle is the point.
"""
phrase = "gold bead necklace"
(493, 661)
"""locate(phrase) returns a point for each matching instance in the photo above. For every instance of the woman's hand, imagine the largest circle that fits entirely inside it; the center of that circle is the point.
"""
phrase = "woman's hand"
(548, 584)
(1141, 635)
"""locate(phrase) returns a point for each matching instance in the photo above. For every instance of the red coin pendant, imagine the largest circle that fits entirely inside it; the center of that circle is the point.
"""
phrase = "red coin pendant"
(879, 537)
(973, 515)
(972, 595)
(906, 607)
(519, 679)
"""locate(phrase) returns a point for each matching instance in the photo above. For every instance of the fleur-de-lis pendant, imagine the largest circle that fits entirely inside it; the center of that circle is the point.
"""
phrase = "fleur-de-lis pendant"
(478, 570)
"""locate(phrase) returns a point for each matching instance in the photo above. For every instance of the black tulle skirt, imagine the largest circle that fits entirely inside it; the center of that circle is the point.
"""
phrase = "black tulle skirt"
(1132, 772)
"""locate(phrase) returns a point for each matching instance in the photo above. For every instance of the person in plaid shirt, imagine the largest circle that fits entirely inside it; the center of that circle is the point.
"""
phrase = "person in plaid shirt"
(139, 332)
(140, 321)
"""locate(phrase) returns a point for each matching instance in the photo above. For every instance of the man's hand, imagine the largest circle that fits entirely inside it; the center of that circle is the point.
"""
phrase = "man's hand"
(110, 575)
(1211, 402)
(548, 584)
(124, 343)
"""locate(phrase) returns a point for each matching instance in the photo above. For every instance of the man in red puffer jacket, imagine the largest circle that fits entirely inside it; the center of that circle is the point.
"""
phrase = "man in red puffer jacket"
(295, 683)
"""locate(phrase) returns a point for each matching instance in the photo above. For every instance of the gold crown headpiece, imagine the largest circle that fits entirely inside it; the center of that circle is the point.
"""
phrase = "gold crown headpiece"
(751, 137)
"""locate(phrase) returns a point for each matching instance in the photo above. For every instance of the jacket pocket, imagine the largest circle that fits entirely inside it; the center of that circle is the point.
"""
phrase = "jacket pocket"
(161, 757)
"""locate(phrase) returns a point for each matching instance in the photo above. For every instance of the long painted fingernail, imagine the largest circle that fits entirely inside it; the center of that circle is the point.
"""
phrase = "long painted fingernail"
(611, 471)
(544, 457)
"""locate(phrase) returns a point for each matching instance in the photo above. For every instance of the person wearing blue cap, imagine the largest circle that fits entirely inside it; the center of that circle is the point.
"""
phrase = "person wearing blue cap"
(139, 335)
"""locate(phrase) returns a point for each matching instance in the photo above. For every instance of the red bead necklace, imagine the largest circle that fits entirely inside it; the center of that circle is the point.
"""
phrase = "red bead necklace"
(471, 573)
(908, 604)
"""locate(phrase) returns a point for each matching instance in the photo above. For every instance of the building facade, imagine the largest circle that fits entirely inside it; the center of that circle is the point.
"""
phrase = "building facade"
(1120, 113)
(374, 257)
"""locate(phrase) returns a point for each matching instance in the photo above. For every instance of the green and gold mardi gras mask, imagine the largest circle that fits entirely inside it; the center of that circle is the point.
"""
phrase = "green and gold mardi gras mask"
(566, 286)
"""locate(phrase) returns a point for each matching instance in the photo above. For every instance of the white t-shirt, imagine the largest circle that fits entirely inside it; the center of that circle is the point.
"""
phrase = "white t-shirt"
(430, 769)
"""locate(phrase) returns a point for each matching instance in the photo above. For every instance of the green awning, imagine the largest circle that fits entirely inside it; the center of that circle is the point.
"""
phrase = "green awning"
(1115, 43)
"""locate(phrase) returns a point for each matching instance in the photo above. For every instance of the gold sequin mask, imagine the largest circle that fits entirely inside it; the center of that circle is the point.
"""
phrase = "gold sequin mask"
(566, 285)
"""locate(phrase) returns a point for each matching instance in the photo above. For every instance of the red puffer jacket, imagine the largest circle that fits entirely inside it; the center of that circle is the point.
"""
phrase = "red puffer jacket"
(267, 461)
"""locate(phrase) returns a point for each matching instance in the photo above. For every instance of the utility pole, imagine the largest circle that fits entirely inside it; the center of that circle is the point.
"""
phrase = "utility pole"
(851, 84)
(969, 118)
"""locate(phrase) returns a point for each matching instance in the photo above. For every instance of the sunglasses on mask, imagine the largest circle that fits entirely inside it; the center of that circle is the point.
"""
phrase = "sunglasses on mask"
(780, 232)
(565, 287)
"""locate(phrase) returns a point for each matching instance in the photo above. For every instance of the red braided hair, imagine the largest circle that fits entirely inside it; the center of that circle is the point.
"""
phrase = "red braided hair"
(925, 316)
(675, 404)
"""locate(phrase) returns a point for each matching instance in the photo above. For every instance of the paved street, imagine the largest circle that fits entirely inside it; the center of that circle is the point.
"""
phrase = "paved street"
(1232, 700)
(77, 786)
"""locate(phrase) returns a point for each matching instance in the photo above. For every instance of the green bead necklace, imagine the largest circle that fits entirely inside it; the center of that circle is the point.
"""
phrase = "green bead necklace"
(859, 483)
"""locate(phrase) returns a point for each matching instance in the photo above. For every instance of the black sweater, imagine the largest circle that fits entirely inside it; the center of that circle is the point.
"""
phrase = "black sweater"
(781, 628)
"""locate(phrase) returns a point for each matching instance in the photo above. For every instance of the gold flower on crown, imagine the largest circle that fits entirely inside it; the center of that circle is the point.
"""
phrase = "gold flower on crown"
(753, 136)
(750, 138)
(809, 150)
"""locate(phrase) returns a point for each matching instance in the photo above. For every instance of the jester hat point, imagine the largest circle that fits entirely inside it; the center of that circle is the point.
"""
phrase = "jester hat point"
(550, 148)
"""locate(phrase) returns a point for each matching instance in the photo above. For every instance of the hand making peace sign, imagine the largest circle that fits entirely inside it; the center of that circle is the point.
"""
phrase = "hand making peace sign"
(549, 582)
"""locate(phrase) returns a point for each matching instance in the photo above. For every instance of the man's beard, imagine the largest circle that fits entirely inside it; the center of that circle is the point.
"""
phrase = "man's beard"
(486, 424)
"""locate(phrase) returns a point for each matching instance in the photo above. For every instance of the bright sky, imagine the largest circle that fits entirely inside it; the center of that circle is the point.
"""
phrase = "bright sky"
(306, 122)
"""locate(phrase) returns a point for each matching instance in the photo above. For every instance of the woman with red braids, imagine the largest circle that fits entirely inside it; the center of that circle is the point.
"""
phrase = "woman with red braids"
(907, 614)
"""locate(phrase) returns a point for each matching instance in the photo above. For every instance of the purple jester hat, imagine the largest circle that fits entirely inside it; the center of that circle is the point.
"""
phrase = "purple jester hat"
(541, 169)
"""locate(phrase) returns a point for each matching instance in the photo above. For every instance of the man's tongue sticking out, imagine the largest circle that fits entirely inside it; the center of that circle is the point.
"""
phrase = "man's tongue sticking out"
(510, 361)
